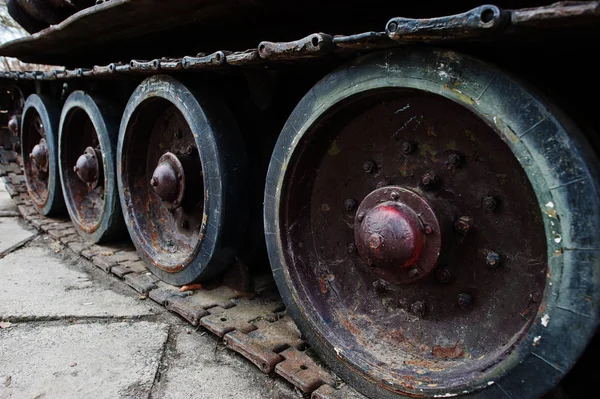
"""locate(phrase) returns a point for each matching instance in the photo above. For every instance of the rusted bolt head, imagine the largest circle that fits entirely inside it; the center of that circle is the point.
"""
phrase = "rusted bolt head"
(360, 216)
(453, 160)
(39, 154)
(392, 26)
(413, 272)
(443, 275)
(190, 149)
(492, 259)
(349, 204)
(178, 134)
(351, 248)
(464, 300)
(13, 124)
(407, 147)
(428, 230)
(419, 308)
(429, 180)
(463, 224)
(369, 166)
(490, 203)
(86, 167)
(165, 181)
(395, 195)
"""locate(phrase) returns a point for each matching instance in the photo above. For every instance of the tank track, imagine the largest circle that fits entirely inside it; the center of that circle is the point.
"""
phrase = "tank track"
(482, 24)
(253, 325)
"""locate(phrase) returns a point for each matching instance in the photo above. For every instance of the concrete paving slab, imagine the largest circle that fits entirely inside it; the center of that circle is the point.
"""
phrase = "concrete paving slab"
(36, 283)
(98, 360)
(199, 366)
(12, 233)
(7, 205)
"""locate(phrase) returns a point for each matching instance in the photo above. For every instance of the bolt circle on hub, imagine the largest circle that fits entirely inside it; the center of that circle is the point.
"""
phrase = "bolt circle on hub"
(391, 236)
(89, 167)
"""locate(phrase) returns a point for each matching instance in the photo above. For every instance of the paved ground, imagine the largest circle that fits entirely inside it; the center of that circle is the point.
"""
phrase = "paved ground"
(70, 331)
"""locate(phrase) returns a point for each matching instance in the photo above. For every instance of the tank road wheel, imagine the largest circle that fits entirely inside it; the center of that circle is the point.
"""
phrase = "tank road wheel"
(39, 127)
(432, 225)
(89, 128)
(181, 171)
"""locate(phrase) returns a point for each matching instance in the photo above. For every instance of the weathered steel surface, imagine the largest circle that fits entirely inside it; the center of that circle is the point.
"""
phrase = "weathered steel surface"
(194, 305)
(262, 345)
(302, 371)
(481, 23)
(242, 316)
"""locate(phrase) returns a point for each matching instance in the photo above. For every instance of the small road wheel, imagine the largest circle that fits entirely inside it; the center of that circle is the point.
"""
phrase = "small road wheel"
(88, 133)
(182, 171)
(39, 129)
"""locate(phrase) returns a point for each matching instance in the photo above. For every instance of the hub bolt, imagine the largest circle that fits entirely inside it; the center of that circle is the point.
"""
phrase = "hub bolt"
(395, 195)
(351, 248)
(419, 308)
(428, 230)
(464, 300)
(428, 180)
(407, 147)
(393, 26)
(463, 224)
(178, 134)
(154, 182)
(360, 216)
(369, 166)
(443, 275)
(492, 259)
(190, 149)
(453, 160)
(490, 203)
(413, 272)
(349, 204)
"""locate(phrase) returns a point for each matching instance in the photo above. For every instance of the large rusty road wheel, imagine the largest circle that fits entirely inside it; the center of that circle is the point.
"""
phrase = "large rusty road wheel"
(432, 225)
(182, 180)
(39, 129)
(89, 128)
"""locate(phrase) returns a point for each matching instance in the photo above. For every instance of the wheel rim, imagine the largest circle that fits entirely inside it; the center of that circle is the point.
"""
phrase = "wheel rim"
(167, 184)
(535, 136)
(82, 169)
(36, 157)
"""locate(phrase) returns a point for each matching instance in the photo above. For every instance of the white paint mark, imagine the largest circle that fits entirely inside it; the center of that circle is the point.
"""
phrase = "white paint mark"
(550, 204)
(407, 106)
(557, 239)
(545, 320)
(537, 339)
(446, 395)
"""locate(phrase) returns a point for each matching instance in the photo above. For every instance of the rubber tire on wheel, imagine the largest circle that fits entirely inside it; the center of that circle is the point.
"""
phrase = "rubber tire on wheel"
(224, 166)
(105, 118)
(27, 22)
(561, 168)
(49, 116)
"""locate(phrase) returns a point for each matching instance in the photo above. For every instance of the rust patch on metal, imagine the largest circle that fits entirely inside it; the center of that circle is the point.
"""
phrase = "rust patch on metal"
(453, 352)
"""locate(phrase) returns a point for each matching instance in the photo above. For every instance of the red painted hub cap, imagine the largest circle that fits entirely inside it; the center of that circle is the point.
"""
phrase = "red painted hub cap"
(397, 234)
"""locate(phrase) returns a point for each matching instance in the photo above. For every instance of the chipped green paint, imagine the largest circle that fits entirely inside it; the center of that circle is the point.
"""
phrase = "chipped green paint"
(451, 145)
(470, 135)
(333, 149)
(426, 151)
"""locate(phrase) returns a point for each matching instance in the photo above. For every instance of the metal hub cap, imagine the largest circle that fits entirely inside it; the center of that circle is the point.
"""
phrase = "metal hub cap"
(168, 179)
(88, 167)
(391, 237)
(39, 155)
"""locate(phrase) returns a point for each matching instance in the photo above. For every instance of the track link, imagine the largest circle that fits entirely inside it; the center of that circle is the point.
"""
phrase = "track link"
(255, 326)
